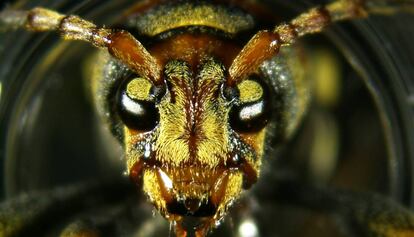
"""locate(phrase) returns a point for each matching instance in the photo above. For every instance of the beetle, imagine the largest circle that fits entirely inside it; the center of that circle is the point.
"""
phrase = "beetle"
(194, 106)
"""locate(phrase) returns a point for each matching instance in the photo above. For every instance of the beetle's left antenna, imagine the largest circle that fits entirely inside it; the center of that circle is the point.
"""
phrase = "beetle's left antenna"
(266, 44)
(120, 44)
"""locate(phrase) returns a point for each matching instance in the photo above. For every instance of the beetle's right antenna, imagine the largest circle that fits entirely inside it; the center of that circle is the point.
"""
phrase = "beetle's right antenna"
(120, 44)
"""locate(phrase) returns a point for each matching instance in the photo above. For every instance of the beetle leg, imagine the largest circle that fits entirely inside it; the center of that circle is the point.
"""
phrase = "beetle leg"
(359, 213)
(120, 44)
(23, 215)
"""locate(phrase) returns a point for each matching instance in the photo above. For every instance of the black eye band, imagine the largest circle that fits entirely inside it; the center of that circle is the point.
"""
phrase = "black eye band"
(253, 115)
(136, 113)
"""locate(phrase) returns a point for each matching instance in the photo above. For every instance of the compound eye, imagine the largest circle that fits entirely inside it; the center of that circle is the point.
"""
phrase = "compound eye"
(136, 104)
(252, 112)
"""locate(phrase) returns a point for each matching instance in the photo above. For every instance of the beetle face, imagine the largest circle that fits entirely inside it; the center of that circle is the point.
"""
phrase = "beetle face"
(202, 143)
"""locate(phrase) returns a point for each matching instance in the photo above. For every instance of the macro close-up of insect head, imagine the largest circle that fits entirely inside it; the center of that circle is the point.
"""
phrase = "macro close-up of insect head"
(207, 118)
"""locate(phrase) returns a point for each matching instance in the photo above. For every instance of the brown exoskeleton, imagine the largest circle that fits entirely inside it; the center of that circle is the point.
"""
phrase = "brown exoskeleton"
(193, 109)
